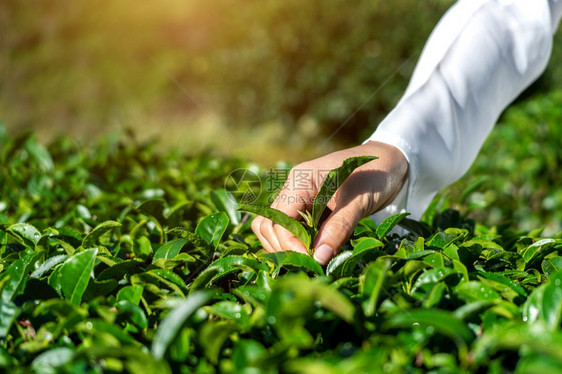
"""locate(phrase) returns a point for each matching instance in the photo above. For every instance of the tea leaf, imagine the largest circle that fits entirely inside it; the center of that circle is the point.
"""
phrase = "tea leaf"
(333, 181)
(92, 238)
(75, 275)
(295, 259)
(225, 202)
(212, 228)
(28, 234)
(174, 321)
(389, 223)
(170, 249)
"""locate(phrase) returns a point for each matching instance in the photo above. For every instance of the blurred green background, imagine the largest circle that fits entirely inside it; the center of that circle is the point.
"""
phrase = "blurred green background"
(277, 74)
(288, 80)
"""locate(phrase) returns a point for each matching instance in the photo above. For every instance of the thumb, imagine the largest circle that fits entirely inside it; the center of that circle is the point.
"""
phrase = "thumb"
(335, 231)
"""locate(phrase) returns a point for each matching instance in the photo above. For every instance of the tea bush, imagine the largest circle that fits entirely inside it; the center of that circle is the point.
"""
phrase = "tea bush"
(116, 258)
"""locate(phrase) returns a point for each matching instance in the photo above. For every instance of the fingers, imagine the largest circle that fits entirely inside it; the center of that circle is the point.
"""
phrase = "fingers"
(271, 236)
(335, 232)
(290, 201)
(264, 234)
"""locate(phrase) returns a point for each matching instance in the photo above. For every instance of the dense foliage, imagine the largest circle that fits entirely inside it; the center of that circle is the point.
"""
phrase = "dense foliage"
(119, 259)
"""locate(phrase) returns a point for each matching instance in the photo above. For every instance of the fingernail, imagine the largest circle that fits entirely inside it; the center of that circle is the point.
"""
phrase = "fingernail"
(323, 254)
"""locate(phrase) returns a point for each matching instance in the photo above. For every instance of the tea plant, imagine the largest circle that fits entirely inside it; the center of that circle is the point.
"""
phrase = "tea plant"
(117, 259)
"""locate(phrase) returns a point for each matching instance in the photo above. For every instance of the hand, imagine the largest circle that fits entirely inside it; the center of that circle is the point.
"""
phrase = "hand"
(370, 188)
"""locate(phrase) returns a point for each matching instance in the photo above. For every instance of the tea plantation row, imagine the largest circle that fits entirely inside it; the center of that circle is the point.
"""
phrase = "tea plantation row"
(116, 258)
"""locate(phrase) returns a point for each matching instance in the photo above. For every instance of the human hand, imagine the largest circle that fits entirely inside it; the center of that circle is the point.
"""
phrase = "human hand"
(370, 188)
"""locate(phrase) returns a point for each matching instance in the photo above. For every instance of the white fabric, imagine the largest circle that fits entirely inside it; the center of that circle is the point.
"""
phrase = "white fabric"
(481, 55)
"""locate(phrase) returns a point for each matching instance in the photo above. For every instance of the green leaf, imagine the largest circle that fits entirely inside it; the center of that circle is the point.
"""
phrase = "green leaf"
(474, 291)
(514, 336)
(225, 202)
(551, 265)
(92, 238)
(171, 325)
(142, 248)
(75, 275)
(8, 313)
(336, 264)
(13, 279)
(28, 234)
(537, 251)
(169, 278)
(48, 361)
(532, 308)
(213, 335)
(212, 228)
(100, 327)
(314, 290)
(538, 364)
(435, 275)
(371, 283)
(231, 310)
(130, 293)
(441, 321)
(133, 313)
(333, 181)
(222, 266)
(365, 251)
(365, 244)
(459, 267)
(389, 223)
(47, 265)
(55, 280)
(551, 310)
(434, 295)
(471, 308)
(295, 259)
(280, 218)
(248, 354)
(169, 249)
(505, 281)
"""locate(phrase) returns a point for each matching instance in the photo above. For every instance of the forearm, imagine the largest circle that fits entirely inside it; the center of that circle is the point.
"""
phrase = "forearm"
(479, 58)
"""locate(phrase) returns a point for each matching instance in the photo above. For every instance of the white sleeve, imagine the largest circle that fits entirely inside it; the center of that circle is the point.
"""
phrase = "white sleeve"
(480, 56)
